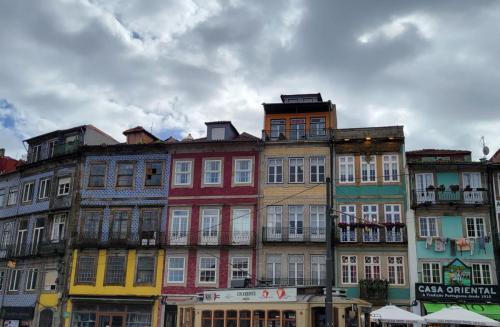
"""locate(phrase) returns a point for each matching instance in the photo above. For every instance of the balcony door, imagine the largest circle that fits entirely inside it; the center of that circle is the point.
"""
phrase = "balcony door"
(277, 128)
(317, 223)
(471, 182)
(298, 129)
(119, 227)
(37, 235)
(295, 222)
(274, 222)
(422, 182)
(241, 226)
(210, 226)
(179, 228)
(22, 237)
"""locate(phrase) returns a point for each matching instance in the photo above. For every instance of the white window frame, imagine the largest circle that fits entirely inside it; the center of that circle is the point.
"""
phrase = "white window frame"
(297, 261)
(348, 216)
(36, 153)
(274, 163)
(241, 225)
(63, 186)
(238, 171)
(3, 196)
(393, 234)
(482, 272)
(210, 235)
(177, 235)
(346, 164)
(206, 164)
(274, 261)
(9, 202)
(370, 271)
(188, 172)
(44, 188)
(239, 270)
(352, 269)
(50, 149)
(390, 161)
(364, 165)
(370, 216)
(396, 265)
(57, 235)
(317, 261)
(316, 162)
(476, 232)
(200, 269)
(32, 279)
(28, 192)
(14, 280)
(317, 221)
(436, 222)
(296, 174)
(218, 133)
(431, 278)
(274, 222)
(171, 269)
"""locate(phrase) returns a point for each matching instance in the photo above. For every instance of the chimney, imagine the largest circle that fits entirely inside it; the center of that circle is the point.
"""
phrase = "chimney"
(138, 135)
(2, 152)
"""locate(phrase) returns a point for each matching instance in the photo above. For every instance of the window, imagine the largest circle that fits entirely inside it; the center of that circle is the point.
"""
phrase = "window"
(149, 220)
(119, 226)
(395, 266)
(2, 197)
(275, 170)
(422, 183)
(241, 226)
(22, 237)
(273, 269)
(137, 319)
(368, 169)
(28, 189)
(182, 172)
(212, 172)
(218, 318)
(12, 199)
(154, 173)
(317, 169)
(349, 269)
(125, 174)
(370, 216)
(274, 222)
(52, 145)
(208, 270)
(179, 228)
(317, 222)
(245, 318)
(97, 175)
(115, 270)
(318, 126)
(295, 269)
(175, 270)
(145, 270)
(391, 168)
(15, 279)
(218, 133)
(295, 222)
(475, 227)
(91, 224)
(81, 319)
(44, 189)
(481, 274)
(240, 268)
(31, 280)
(2, 279)
(86, 269)
(63, 186)
(58, 228)
(37, 235)
(273, 318)
(206, 318)
(393, 215)
(36, 153)
(431, 272)
(289, 319)
(346, 169)
(428, 226)
(243, 171)
(348, 218)
(298, 129)
(277, 129)
(49, 283)
(231, 318)
(372, 267)
(318, 269)
(296, 170)
(210, 226)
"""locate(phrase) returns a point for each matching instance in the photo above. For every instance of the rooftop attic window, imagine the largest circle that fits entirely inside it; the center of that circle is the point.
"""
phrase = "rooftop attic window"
(301, 98)
(218, 133)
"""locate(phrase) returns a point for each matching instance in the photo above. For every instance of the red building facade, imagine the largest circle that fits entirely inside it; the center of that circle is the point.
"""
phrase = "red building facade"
(212, 214)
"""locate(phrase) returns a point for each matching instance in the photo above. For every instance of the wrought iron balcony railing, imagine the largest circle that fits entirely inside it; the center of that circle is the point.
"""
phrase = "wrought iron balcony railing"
(300, 133)
(389, 235)
(210, 238)
(141, 239)
(436, 196)
(293, 234)
(374, 290)
(284, 282)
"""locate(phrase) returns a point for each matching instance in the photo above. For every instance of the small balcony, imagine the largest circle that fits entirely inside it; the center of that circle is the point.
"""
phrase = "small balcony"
(209, 238)
(374, 291)
(296, 134)
(286, 282)
(52, 247)
(21, 250)
(119, 240)
(352, 234)
(293, 235)
(432, 196)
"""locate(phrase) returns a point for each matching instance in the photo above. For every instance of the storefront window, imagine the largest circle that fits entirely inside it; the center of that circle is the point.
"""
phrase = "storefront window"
(232, 318)
(289, 319)
(84, 319)
(245, 318)
(138, 319)
(273, 319)
(219, 318)
(259, 318)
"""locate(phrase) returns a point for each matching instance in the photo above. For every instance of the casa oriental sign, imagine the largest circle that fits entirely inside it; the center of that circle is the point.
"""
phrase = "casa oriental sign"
(441, 292)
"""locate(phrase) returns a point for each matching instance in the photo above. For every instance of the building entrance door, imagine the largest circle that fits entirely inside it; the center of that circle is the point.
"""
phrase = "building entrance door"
(111, 320)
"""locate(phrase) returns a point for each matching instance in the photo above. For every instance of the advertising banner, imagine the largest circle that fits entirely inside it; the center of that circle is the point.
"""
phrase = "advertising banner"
(251, 295)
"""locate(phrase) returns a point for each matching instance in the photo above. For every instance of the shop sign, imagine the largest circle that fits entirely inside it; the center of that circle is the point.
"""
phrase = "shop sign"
(441, 292)
(17, 313)
(11, 323)
(251, 295)
(457, 274)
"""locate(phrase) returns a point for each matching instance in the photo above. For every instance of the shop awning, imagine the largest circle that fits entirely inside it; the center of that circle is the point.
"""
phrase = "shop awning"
(489, 310)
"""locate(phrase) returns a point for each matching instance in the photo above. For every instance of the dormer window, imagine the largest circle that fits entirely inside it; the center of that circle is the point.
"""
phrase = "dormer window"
(52, 145)
(71, 139)
(36, 153)
(218, 133)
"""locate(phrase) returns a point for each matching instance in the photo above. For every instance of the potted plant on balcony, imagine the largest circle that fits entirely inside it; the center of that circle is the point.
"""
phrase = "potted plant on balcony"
(441, 188)
(430, 188)
(343, 225)
(455, 188)
(374, 290)
(468, 188)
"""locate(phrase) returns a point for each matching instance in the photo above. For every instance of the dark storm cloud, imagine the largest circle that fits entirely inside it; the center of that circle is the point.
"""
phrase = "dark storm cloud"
(429, 65)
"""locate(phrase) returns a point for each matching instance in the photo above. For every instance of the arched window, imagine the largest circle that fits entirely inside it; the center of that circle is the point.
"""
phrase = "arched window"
(206, 318)
(273, 318)
(245, 318)
(289, 319)
(46, 316)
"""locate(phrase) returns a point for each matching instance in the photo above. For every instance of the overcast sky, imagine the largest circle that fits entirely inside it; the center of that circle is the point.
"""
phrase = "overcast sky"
(432, 66)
